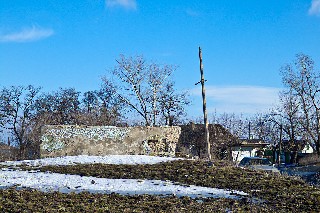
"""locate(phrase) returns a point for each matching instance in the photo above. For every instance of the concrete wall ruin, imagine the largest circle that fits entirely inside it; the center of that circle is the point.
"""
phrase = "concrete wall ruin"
(61, 140)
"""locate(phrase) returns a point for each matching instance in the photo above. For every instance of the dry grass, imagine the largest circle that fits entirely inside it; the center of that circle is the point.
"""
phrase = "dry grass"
(276, 193)
(310, 159)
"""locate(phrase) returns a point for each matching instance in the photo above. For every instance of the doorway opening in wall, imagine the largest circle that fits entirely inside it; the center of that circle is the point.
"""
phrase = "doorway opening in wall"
(153, 145)
(166, 147)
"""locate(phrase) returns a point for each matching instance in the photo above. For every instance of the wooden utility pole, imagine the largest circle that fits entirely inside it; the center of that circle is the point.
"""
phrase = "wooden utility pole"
(207, 137)
(280, 141)
(249, 137)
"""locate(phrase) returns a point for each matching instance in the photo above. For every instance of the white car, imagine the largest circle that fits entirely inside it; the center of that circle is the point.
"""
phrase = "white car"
(257, 163)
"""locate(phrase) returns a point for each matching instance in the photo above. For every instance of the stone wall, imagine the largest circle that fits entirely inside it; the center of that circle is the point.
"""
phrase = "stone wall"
(64, 140)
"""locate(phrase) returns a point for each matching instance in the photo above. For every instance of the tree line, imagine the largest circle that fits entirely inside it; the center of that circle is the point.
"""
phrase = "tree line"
(296, 119)
(133, 87)
(137, 88)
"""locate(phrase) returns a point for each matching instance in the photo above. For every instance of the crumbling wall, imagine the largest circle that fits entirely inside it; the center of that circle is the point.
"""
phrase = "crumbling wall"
(61, 140)
(8, 152)
(192, 141)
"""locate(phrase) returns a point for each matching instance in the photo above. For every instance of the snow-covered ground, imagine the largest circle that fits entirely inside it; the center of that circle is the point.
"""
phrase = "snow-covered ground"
(47, 181)
(85, 159)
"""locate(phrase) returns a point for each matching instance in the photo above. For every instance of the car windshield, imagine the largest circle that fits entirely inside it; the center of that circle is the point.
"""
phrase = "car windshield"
(255, 161)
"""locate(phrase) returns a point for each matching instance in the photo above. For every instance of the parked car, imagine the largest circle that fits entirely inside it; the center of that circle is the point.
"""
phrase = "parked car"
(257, 163)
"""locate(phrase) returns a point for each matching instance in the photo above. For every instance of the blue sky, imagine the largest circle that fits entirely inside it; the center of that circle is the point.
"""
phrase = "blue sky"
(55, 43)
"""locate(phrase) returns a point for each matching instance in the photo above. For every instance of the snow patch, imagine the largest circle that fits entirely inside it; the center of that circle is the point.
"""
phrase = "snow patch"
(49, 182)
(85, 159)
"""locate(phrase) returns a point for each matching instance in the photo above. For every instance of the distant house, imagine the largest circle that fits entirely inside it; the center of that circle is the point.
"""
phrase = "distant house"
(7, 152)
(307, 149)
(248, 148)
(291, 151)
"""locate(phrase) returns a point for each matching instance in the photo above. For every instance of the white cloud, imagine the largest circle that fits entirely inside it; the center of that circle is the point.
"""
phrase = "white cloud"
(239, 99)
(315, 8)
(127, 4)
(27, 35)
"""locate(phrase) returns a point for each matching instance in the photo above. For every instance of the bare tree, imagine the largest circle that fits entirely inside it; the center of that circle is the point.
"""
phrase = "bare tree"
(90, 100)
(259, 128)
(304, 82)
(140, 86)
(236, 124)
(61, 107)
(156, 79)
(291, 116)
(101, 107)
(17, 110)
(65, 107)
(131, 72)
(172, 104)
